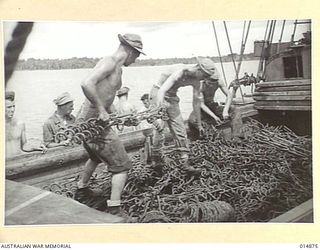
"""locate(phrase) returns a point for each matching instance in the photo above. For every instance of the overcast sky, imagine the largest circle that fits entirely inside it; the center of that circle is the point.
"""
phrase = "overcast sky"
(160, 39)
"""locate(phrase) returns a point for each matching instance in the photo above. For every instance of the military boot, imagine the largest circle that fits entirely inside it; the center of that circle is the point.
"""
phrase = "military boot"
(82, 194)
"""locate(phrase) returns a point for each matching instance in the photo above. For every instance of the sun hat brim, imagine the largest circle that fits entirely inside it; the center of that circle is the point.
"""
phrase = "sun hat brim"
(211, 73)
(200, 63)
(63, 99)
(124, 41)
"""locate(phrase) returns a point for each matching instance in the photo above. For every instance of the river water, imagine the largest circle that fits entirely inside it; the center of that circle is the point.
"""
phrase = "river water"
(35, 90)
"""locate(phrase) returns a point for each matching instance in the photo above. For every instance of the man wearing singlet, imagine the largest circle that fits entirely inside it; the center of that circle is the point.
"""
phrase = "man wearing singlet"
(100, 89)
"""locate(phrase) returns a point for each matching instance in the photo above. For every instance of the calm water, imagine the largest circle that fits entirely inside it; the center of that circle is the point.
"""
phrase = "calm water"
(35, 90)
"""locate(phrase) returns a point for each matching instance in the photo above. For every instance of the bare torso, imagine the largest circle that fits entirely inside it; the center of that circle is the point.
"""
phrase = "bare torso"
(108, 86)
(209, 91)
(186, 79)
(13, 138)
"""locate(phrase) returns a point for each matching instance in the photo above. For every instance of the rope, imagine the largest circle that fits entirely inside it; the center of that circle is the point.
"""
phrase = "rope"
(269, 41)
(218, 47)
(230, 48)
(243, 44)
(234, 64)
(294, 30)
(260, 67)
(273, 29)
(15, 46)
(270, 30)
(281, 34)
(244, 27)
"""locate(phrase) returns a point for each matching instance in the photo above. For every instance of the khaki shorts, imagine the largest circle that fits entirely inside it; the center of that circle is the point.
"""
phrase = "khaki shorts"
(86, 112)
(108, 148)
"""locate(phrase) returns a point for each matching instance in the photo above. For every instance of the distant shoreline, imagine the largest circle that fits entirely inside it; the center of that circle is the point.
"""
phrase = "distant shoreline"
(84, 62)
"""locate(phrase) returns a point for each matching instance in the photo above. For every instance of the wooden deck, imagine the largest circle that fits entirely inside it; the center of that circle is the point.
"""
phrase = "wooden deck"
(302, 213)
(27, 205)
(291, 95)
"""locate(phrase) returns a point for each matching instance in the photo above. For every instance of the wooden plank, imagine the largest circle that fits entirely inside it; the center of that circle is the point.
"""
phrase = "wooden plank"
(19, 167)
(133, 137)
(283, 103)
(301, 213)
(291, 108)
(283, 93)
(280, 88)
(239, 101)
(55, 160)
(283, 98)
(249, 113)
(43, 208)
(294, 82)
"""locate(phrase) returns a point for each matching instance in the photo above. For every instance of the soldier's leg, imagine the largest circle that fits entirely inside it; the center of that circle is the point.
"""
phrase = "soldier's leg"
(178, 130)
(236, 122)
(193, 127)
(116, 157)
(88, 170)
(118, 182)
(83, 190)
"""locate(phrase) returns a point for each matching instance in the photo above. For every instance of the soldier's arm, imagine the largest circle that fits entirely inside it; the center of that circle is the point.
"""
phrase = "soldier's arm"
(168, 84)
(25, 147)
(207, 110)
(23, 139)
(48, 137)
(196, 103)
(228, 94)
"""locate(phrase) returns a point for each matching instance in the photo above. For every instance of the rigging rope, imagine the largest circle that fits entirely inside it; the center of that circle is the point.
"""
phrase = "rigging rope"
(261, 60)
(273, 29)
(269, 43)
(234, 64)
(281, 34)
(244, 27)
(270, 29)
(294, 30)
(218, 47)
(243, 44)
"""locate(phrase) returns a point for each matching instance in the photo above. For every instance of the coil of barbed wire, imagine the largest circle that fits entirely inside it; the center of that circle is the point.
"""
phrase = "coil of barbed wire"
(94, 128)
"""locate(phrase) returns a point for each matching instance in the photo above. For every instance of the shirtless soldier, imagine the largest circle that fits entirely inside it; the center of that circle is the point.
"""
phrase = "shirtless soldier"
(165, 91)
(16, 141)
(212, 112)
(100, 88)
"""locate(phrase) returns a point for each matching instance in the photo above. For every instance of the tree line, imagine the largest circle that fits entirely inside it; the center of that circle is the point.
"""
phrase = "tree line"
(85, 62)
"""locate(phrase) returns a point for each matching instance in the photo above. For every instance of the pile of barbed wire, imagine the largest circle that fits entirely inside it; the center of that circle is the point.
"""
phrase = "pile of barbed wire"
(93, 128)
(250, 180)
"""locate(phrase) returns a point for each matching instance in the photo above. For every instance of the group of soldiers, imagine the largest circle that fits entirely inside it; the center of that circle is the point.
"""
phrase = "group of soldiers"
(100, 88)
